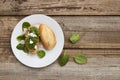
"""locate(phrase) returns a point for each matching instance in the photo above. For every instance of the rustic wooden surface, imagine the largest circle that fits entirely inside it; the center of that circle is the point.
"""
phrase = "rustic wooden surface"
(100, 38)
(60, 7)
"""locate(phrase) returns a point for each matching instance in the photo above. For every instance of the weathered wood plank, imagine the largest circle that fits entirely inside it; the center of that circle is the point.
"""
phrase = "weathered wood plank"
(88, 40)
(99, 67)
(89, 23)
(7, 56)
(95, 31)
(94, 40)
(60, 7)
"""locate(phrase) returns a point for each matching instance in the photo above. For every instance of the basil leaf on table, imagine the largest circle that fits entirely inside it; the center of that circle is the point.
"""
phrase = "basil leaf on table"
(41, 53)
(21, 37)
(25, 25)
(74, 38)
(80, 59)
(63, 59)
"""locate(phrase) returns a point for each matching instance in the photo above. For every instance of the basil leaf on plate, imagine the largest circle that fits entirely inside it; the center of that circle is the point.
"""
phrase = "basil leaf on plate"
(34, 30)
(27, 42)
(41, 53)
(63, 59)
(20, 46)
(74, 38)
(25, 25)
(80, 59)
(21, 37)
(26, 50)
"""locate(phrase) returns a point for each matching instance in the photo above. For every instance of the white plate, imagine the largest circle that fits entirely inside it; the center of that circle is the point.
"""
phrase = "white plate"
(33, 60)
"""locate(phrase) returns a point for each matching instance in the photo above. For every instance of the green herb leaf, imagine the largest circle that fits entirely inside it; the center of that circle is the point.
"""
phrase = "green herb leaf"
(21, 37)
(74, 38)
(63, 59)
(20, 46)
(27, 42)
(41, 53)
(26, 50)
(80, 59)
(34, 30)
(25, 25)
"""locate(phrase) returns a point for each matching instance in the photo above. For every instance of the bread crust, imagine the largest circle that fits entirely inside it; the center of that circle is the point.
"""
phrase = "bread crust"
(47, 37)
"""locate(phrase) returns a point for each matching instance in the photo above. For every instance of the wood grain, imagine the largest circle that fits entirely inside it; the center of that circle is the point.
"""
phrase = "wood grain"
(105, 67)
(95, 31)
(7, 56)
(100, 38)
(60, 7)
(103, 62)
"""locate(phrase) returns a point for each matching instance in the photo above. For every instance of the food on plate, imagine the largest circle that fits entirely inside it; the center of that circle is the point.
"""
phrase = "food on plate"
(21, 46)
(74, 38)
(47, 37)
(21, 37)
(25, 25)
(31, 36)
(41, 53)
(29, 41)
(32, 39)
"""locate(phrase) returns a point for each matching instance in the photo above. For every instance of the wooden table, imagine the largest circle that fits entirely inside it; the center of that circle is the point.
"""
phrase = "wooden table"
(98, 23)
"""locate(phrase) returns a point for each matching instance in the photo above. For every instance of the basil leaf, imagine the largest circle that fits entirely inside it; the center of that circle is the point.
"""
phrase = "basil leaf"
(41, 53)
(21, 37)
(26, 50)
(63, 59)
(25, 25)
(34, 30)
(20, 46)
(28, 45)
(74, 38)
(80, 59)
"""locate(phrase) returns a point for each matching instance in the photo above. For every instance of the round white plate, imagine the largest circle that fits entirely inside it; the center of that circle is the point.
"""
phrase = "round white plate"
(33, 60)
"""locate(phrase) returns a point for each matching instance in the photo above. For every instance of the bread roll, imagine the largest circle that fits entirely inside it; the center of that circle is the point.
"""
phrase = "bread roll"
(47, 37)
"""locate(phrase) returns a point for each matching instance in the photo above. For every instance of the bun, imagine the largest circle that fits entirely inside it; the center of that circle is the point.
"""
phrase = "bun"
(47, 37)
